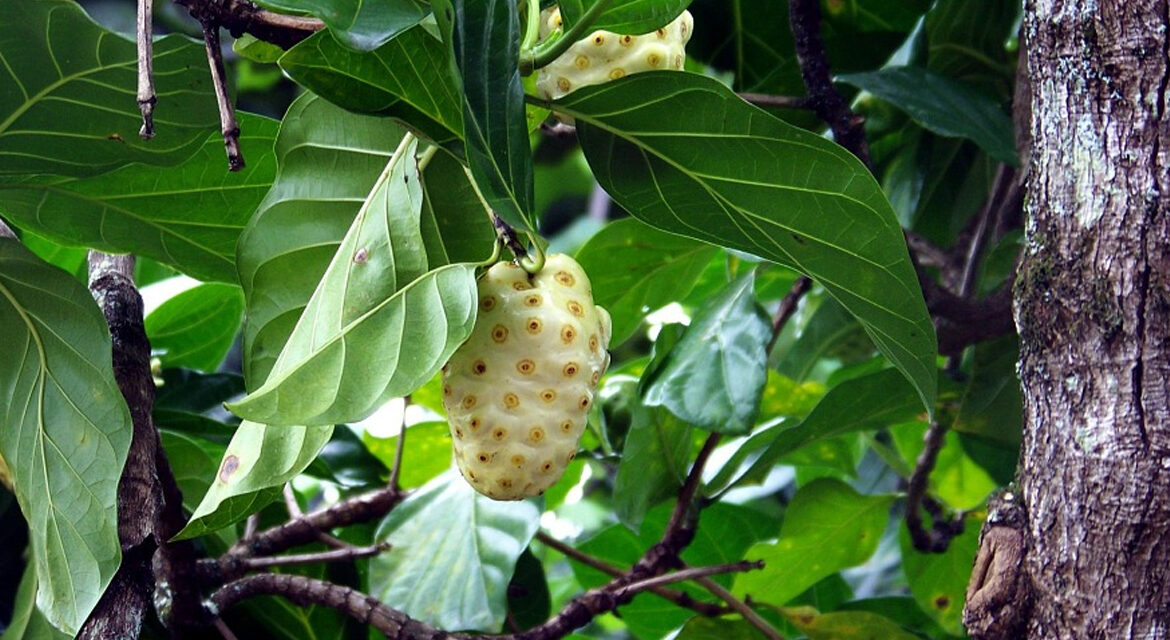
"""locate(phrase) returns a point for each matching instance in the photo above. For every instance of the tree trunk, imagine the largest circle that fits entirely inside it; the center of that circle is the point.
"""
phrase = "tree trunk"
(1093, 312)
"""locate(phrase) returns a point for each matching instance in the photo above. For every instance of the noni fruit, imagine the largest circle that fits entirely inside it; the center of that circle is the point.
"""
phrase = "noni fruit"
(605, 55)
(518, 391)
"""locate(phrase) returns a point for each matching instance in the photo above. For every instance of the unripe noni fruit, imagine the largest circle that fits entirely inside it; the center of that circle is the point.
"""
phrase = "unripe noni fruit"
(605, 56)
(517, 393)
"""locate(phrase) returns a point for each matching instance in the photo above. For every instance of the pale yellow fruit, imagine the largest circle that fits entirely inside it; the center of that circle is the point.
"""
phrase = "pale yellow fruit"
(518, 392)
(606, 56)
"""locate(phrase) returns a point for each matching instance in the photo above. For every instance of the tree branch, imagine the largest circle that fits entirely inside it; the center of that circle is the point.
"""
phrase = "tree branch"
(804, 17)
(294, 511)
(680, 598)
(943, 530)
(145, 39)
(782, 102)
(227, 113)
(241, 16)
(741, 608)
(787, 308)
(335, 555)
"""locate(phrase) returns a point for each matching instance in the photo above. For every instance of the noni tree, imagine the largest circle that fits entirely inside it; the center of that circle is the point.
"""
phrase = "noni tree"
(522, 319)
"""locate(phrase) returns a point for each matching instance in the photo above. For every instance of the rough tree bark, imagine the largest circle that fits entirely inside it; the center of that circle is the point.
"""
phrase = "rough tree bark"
(1093, 312)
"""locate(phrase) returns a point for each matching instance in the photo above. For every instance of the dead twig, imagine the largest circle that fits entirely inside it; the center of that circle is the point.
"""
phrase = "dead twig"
(146, 95)
(227, 113)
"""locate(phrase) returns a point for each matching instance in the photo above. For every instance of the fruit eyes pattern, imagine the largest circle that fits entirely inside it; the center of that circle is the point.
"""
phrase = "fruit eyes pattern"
(515, 394)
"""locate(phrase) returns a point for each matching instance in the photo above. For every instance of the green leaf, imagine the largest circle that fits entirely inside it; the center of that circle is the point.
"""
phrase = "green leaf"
(407, 79)
(360, 24)
(827, 527)
(828, 327)
(653, 463)
(188, 216)
(992, 406)
(756, 184)
(636, 269)
(256, 464)
(454, 224)
(427, 454)
(633, 17)
(69, 108)
(64, 431)
(485, 38)
(869, 402)
(187, 390)
(845, 625)
(346, 462)
(528, 596)
(967, 41)
(377, 327)
(452, 555)
(197, 327)
(27, 622)
(193, 461)
(714, 377)
(938, 581)
(945, 106)
(957, 479)
(700, 628)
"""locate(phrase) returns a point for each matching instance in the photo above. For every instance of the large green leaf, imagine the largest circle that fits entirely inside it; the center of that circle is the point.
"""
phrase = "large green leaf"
(485, 38)
(636, 269)
(730, 174)
(452, 555)
(27, 622)
(64, 431)
(829, 327)
(938, 581)
(407, 79)
(187, 216)
(193, 461)
(968, 41)
(633, 17)
(653, 463)
(945, 106)
(455, 226)
(714, 377)
(68, 106)
(257, 463)
(376, 327)
(869, 402)
(828, 527)
(196, 328)
(361, 24)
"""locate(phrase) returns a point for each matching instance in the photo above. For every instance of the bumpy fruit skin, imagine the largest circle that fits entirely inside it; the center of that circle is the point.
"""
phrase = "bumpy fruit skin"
(605, 55)
(518, 391)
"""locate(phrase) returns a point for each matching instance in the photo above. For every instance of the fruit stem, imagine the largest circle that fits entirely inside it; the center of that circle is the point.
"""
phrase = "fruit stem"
(552, 48)
(531, 27)
(532, 261)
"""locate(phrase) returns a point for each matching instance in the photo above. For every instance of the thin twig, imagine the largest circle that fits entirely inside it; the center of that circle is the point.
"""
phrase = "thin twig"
(686, 496)
(768, 100)
(227, 113)
(740, 607)
(241, 16)
(683, 575)
(146, 95)
(224, 630)
(250, 526)
(335, 555)
(294, 511)
(399, 449)
(787, 308)
(939, 537)
(680, 598)
(804, 17)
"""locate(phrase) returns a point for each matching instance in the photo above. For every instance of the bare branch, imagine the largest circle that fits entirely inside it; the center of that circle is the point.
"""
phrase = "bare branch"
(224, 630)
(782, 102)
(294, 511)
(740, 607)
(787, 308)
(336, 555)
(681, 598)
(241, 16)
(691, 573)
(804, 16)
(683, 509)
(938, 538)
(227, 113)
(146, 96)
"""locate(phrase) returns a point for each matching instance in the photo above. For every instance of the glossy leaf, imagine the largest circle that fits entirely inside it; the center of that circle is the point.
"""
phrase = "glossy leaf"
(197, 327)
(967, 42)
(845, 625)
(938, 581)
(407, 79)
(653, 463)
(633, 17)
(194, 391)
(454, 224)
(827, 527)
(187, 216)
(64, 431)
(821, 336)
(870, 402)
(256, 464)
(485, 38)
(635, 269)
(453, 553)
(376, 327)
(758, 185)
(945, 106)
(68, 105)
(360, 24)
(714, 377)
